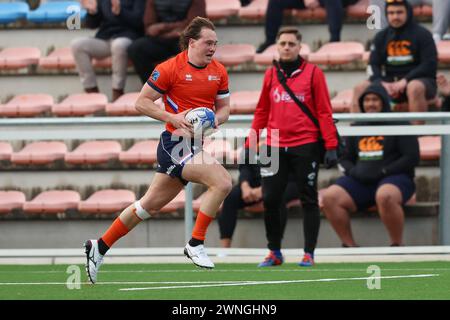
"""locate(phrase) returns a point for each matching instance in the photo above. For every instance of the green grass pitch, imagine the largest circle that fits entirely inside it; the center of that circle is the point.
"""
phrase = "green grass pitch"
(402, 280)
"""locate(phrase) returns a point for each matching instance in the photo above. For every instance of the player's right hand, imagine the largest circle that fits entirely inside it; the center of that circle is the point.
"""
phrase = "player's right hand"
(90, 6)
(181, 124)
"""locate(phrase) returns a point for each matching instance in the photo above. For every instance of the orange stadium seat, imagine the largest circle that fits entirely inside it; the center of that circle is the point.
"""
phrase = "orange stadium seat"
(140, 152)
(10, 200)
(266, 57)
(443, 48)
(94, 152)
(337, 53)
(16, 58)
(80, 104)
(244, 102)
(217, 9)
(358, 10)
(61, 58)
(54, 201)
(342, 101)
(255, 208)
(234, 54)
(124, 106)
(107, 201)
(255, 10)
(27, 105)
(5, 151)
(41, 152)
(218, 148)
(430, 147)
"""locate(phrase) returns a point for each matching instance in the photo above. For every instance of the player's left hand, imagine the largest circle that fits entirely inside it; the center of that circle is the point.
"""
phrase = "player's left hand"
(330, 159)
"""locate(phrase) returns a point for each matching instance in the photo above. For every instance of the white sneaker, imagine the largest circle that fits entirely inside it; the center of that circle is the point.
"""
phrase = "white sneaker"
(93, 259)
(198, 256)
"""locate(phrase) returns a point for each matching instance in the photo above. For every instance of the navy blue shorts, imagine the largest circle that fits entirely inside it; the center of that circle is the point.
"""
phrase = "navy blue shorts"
(173, 153)
(364, 194)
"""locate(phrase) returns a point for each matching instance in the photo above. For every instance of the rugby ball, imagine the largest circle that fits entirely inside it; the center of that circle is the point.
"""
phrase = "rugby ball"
(202, 119)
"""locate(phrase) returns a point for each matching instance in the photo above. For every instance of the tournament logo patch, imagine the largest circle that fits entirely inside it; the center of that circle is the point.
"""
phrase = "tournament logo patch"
(155, 75)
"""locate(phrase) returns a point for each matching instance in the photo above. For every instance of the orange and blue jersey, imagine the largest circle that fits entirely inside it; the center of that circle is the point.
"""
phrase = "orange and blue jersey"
(185, 86)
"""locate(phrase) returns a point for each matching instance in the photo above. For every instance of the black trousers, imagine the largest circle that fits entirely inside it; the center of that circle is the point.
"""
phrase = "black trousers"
(147, 52)
(303, 162)
(334, 8)
(233, 203)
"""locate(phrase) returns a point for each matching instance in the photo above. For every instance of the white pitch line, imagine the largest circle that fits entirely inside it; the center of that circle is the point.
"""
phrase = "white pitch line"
(116, 283)
(280, 282)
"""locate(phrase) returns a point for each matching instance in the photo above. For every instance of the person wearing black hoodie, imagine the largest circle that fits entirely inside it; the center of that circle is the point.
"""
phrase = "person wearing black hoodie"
(404, 59)
(379, 170)
(118, 23)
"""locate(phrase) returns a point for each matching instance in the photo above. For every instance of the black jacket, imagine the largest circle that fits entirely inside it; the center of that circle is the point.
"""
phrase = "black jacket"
(127, 24)
(369, 159)
(406, 52)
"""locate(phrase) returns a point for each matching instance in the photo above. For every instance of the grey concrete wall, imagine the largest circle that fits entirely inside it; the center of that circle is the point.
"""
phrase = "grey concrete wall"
(249, 233)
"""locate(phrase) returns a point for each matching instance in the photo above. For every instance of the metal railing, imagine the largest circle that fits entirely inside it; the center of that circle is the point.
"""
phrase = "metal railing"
(438, 123)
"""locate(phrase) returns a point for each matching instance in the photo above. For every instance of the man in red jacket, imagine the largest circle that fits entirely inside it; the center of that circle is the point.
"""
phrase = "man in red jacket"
(292, 138)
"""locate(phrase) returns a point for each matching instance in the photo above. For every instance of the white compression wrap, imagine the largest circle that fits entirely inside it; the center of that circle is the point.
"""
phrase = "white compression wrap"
(140, 211)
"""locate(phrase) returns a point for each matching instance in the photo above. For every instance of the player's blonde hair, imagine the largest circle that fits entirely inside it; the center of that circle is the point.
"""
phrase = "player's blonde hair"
(193, 30)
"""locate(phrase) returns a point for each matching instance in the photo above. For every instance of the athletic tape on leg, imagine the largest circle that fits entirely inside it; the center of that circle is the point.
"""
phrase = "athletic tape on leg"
(140, 211)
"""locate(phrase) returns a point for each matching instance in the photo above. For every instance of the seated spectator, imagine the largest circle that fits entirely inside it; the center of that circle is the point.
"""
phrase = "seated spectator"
(379, 170)
(274, 17)
(163, 22)
(119, 22)
(444, 89)
(248, 192)
(404, 59)
(441, 15)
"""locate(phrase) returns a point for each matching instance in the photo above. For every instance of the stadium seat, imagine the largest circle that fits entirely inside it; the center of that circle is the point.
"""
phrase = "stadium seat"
(337, 53)
(443, 48)
(256, 208)
(342, 101)
(430, 147)
(255, 10)
(235, 54)
(266, 57)
(5, 151)
(176, 203)
(54, 12)
(94, 152)
(12, 12)
(366, 56)
(61, 58)
(80, 104)
(218, 9)
(20, 57)
(54, 201)
(10, 200)
(310, 14)
(41, 152)
(107, 201)
(218, 148)
(124, 106)
(244, 102)
(27, 105)
(358, 10)
(140, 152)
(423, 11)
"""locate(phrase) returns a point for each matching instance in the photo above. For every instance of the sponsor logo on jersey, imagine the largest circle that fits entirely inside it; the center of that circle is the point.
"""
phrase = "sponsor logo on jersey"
(155, 75)
(213, 78)
(188, 77)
